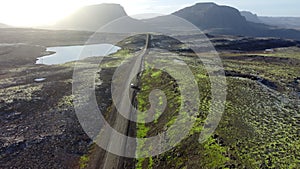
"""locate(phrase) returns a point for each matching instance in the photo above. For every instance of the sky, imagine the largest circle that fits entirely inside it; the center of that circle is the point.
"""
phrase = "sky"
(47, 12)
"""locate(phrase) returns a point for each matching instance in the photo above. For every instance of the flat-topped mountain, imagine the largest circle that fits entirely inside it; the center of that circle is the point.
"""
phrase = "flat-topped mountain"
(91, 18)
(216, 19)
(209, 17)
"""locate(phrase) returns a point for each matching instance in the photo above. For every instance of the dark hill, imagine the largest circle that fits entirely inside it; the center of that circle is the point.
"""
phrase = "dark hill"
(209, 16)
(91, 18)
(229, 21)
(251, 17)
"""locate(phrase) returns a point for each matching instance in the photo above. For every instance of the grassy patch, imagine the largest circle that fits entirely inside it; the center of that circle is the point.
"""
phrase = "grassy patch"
(258, 129)
(83, 162)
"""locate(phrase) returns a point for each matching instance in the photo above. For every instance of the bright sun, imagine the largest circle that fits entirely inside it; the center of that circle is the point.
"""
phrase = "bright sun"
(30, 13)
(35, 12)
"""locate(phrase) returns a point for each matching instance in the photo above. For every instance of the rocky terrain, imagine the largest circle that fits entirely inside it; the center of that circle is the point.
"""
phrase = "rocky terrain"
(259, 128)
(39, 128)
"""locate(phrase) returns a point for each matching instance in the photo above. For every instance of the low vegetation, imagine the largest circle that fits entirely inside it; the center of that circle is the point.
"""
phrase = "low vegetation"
(259, 128)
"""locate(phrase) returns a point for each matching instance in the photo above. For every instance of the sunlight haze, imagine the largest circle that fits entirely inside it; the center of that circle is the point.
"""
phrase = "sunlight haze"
(47, 12)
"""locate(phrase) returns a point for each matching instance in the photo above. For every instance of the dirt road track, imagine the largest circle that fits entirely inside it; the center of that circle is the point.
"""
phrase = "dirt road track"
(121, 124)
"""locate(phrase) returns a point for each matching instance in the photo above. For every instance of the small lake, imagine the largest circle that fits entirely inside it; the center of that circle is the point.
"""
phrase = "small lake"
(64, 54)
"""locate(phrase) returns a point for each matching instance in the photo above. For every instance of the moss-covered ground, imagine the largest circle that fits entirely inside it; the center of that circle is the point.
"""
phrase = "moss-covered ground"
(259, 128)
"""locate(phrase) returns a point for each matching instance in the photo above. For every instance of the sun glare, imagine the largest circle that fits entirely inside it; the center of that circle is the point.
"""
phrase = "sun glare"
(47, 12)
(35, 12)
(30, 13)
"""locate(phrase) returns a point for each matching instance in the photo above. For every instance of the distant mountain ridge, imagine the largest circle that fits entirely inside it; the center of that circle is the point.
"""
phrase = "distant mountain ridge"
(209, 17)
(251, 17)
(229, 21)
(212, 16)
(282, 22)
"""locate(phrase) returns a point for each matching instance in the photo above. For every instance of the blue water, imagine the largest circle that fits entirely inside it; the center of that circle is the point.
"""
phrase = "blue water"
(64, 54)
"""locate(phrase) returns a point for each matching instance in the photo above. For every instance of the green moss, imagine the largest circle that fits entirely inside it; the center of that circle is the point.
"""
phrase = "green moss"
(156, 74)
(66, 101)
(142, 129)
(83, 161)
(214, 154)
(123, 53)
(139, 164)
(257, 129)
(20, 92)
(117, 58)
(150, 165)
